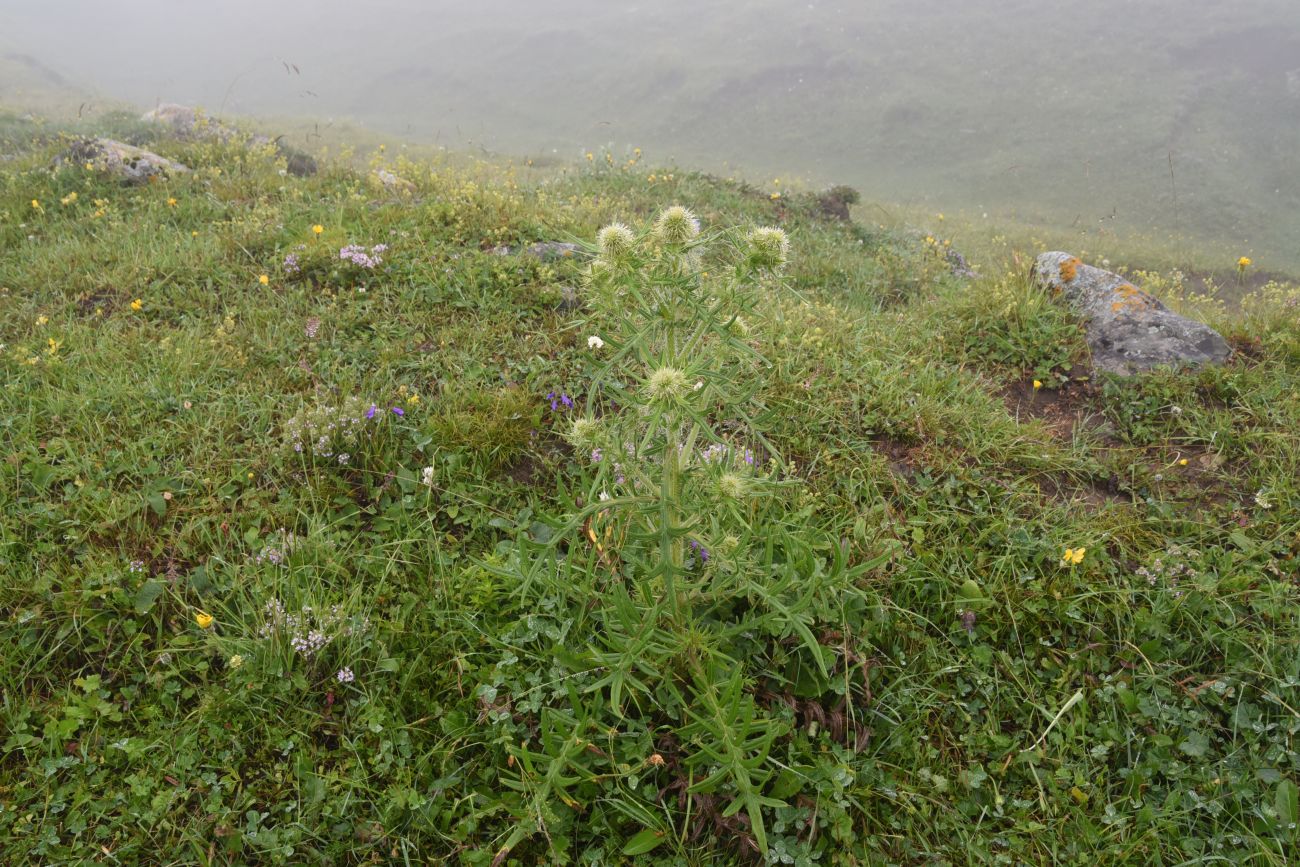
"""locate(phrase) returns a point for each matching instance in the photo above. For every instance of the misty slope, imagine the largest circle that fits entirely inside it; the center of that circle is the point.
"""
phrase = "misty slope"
(1057, 115)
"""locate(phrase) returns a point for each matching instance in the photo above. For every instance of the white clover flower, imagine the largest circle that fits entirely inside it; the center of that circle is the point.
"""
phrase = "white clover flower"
(666, 383)
(1262, 499)
(594, 342)
(616, 242)
(769, 247)
(426, 477)
(235, 662)
(676, 226)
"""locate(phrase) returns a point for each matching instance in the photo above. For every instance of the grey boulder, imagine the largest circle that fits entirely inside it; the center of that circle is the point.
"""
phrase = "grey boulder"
(132, 164)
(1128, 330)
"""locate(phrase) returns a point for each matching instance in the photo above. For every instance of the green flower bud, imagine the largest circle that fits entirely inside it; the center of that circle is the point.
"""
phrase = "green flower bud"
(584, 433)
(732, 486)
(769, 248)
(676, 227)
(616, 242)
(667, 384)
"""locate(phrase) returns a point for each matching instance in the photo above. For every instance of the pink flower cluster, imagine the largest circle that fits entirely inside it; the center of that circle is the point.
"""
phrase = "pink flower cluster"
(361, 257)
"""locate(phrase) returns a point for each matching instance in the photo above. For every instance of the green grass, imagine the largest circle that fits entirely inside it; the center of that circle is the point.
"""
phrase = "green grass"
(968, 699)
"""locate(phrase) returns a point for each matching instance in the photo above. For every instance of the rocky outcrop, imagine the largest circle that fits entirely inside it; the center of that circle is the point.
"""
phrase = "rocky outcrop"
(132, 164)
(192, 124)
(1128, 330)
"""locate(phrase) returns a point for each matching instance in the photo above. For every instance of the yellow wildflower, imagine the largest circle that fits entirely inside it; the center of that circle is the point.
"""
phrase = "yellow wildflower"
(36, 205)
(204, 619)
(194, 234)
(775, 196)
(1038, 383)
(413, 400)
(69, 198)
(235, 661)
(264, 280)
(1244, 262)
(590, 156)
(1182, 462)
(137, 304)
(42, 319)
(317, 229)
(1073, 556)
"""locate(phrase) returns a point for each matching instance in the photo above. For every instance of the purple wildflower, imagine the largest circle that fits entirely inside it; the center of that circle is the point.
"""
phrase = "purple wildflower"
(370, 413)
(398, 411)
(358, 255)
(700, 551)
(345, 675)
(291, 264)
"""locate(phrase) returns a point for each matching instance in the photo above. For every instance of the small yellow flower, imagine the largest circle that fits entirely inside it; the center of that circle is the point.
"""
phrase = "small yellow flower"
(194, 234)
(264, 280)
(54, 346)
(1073, 556)
(250, 477)
(413, 400)
(1244, 262)
(69, 199)
(235, 661)
(36, 205)
(42, 319)
(940, 218)
(171, 202)
(137, 304)
(204, 619)
(1182, 462)
(1038, 383)
(590, 156)
(317, 229)
(90, 167)
(775, 196)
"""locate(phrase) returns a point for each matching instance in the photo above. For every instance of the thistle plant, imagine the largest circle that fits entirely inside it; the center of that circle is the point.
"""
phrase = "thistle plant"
(675, 554)
(674, 304)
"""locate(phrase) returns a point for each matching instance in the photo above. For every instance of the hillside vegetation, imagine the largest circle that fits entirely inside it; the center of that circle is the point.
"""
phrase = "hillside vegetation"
(307, 556)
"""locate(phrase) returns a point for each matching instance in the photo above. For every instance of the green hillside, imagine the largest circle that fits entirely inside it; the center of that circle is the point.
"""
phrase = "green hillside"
(330, 535)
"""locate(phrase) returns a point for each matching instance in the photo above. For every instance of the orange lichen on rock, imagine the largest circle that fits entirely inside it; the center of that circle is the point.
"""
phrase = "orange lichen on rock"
(1070, 269)
(1130, 298)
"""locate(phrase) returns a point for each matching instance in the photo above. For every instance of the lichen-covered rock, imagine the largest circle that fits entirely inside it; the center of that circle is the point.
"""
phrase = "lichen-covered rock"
(392, 183)
(132, 164)
(181, 118)
(192, 124)
(1128, 330)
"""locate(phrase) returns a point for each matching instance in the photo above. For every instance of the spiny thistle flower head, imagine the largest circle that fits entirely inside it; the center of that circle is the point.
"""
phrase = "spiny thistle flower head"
(769, 248)
(616, 242)
(731, 485)
(667, 383)
(676, 226)
(584, 433)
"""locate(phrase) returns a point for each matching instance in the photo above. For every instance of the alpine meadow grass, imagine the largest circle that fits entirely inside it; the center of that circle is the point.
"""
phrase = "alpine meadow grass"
(351, 521)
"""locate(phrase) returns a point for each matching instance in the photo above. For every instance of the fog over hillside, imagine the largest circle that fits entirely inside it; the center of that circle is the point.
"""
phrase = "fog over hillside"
(1174, 118)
